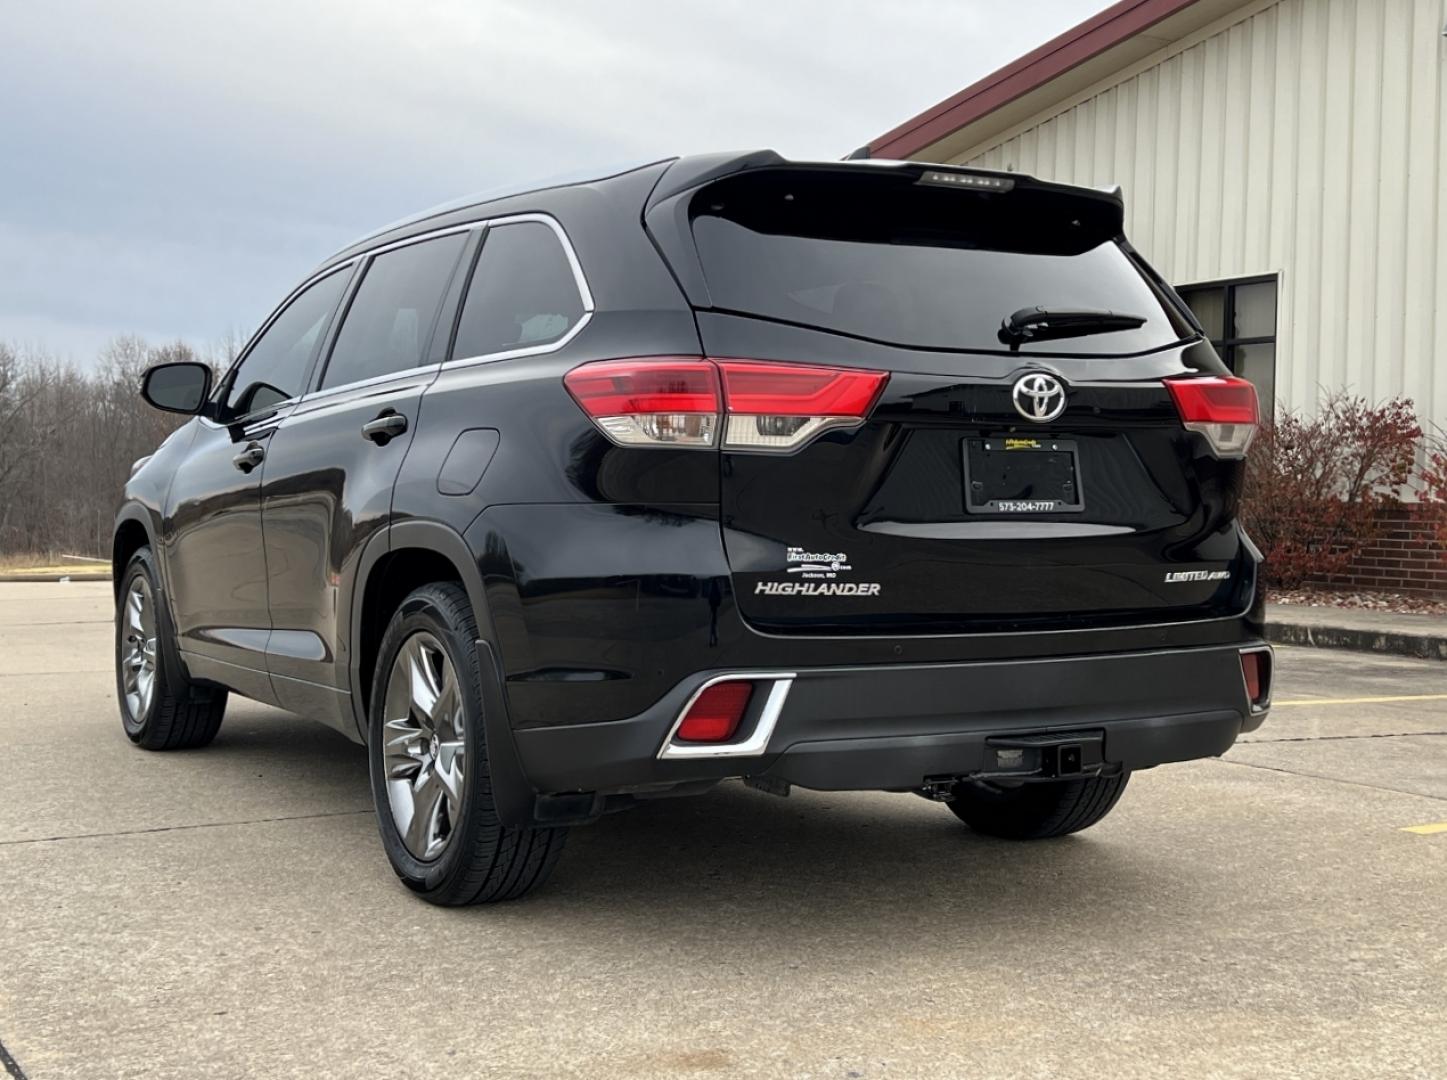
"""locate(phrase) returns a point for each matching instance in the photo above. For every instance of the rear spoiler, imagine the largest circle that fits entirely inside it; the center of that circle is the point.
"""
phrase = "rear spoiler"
(686, 174)
(666, 213)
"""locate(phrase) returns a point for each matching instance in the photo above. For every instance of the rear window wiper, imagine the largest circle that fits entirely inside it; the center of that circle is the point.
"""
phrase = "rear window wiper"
(1045, 324)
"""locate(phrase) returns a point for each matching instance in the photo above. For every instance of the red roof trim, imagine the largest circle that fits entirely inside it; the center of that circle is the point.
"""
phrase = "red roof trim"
(1094, 36)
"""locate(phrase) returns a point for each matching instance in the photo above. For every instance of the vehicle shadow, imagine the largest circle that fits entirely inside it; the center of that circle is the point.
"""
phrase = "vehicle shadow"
(274, 749)
(736, 865)
(264, 732)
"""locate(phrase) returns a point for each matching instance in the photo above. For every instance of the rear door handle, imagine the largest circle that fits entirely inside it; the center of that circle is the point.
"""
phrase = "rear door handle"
(385, 428)
(250, 458)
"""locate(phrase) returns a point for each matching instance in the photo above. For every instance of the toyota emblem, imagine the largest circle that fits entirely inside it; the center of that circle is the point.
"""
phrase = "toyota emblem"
(1039, 397)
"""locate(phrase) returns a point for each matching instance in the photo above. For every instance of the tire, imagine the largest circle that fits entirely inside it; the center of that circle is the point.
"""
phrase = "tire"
(428, 761)
(1037, 811)
(161, 709)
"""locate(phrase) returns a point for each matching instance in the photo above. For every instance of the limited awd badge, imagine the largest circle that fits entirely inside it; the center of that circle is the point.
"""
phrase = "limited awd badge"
(1039, 397)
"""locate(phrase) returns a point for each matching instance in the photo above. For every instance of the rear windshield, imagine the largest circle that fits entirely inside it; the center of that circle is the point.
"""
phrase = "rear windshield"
(884, 257)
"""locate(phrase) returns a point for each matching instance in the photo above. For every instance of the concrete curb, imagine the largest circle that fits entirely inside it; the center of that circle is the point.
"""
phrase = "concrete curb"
(1279, 631)
(1423, 646)
(80, 575)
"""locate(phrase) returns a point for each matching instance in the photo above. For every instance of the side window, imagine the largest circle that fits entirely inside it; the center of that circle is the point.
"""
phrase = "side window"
(276, 365)
(390, 318)
(522, 294)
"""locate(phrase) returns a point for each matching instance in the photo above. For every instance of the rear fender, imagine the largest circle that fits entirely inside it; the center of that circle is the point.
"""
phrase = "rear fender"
(513, 795)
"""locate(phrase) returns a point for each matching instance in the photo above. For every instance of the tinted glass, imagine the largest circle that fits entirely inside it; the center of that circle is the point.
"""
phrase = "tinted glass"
(523, 292)
(389, 320)
(883, 257)
(1209, 307)
(1257, 363)
(1255, 310)
(276, 365)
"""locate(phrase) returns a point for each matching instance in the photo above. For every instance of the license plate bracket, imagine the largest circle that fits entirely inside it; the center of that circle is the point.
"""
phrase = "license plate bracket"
(1009, 476)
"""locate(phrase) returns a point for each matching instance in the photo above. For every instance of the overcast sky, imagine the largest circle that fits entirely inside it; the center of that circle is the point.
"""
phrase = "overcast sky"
(169, 168)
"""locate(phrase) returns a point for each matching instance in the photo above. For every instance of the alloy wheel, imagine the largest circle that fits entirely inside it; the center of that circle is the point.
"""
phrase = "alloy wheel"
(138, 647)
(424, 746)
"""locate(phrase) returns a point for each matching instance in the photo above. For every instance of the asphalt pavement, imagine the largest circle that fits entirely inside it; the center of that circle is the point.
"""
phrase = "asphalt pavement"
(229, 913)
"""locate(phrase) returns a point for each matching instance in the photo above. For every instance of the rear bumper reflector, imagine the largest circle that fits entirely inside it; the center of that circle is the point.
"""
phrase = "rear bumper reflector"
(758, 715)
(1256, 665)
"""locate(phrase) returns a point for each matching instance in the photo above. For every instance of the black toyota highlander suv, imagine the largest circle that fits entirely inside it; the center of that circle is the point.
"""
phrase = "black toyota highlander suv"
(855, 476)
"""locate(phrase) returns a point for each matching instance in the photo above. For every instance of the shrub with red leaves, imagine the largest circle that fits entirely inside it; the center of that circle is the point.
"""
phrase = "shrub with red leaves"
(1432, 489)
(1315, 486)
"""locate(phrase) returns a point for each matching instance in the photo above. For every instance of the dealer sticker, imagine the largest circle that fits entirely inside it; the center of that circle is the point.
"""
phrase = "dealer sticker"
(819, 571)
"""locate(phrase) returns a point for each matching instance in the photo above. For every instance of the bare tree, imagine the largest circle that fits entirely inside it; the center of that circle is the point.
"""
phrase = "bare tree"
(67, 442)
(15, 394)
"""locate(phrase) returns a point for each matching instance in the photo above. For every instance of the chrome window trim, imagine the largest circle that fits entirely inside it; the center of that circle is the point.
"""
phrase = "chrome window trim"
(365, 257)
(579, 280)
(353, 261)
(369, 257)
(758, 742)
(513, 354)
(372, 253)
(361, 384)
(261, 422)
(263, 427)
(286, 301)
(266, 325)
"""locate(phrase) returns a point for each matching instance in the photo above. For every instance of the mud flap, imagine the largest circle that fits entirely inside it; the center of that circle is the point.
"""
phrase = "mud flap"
(512, 795)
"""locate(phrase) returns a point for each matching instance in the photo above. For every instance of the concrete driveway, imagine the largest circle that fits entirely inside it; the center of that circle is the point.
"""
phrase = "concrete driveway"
(229, 913)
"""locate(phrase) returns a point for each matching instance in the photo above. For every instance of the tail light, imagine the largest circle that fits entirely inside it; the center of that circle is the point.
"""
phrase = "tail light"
(757, 405)
(650, 402)
(1222, 408)
(716, 713)
(781, 406)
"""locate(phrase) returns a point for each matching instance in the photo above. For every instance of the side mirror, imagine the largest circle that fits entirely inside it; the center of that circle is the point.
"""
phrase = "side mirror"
(179, 387)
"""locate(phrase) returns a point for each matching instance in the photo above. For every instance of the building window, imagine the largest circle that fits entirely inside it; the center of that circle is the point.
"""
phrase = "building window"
(1240, 319)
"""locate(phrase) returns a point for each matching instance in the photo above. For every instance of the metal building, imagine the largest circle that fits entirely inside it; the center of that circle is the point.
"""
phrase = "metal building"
(1282, 163)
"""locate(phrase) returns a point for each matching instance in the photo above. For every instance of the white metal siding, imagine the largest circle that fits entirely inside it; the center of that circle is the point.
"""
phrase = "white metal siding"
(1301, 137)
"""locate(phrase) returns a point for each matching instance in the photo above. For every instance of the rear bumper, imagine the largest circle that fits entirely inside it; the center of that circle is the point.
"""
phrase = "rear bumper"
(896, 726)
